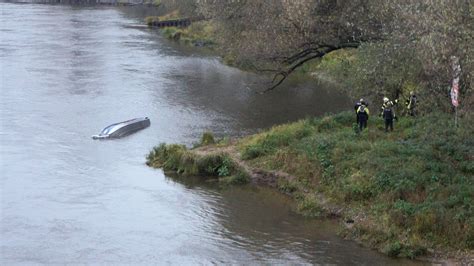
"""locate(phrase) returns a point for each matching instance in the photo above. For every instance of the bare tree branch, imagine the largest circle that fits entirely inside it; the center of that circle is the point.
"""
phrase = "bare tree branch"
(301, 58)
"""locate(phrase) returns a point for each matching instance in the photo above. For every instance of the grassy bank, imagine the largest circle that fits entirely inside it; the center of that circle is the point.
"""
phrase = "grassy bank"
(180, 160)
(199, 33)
(406, 193)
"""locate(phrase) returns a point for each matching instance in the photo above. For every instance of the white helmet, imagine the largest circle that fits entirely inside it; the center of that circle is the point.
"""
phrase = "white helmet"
(385, 99)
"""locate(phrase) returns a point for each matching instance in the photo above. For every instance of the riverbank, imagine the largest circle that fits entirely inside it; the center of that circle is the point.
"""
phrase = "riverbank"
(407, 193)
(200, 33)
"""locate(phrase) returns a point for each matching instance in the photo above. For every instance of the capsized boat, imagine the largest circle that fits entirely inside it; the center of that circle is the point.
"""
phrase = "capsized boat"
(123, 129)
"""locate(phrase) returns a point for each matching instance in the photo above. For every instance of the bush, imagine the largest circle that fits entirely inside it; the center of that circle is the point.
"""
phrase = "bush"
(186, 163)
(393, 249)
(207, 138)
(286, 186)
(254, 151)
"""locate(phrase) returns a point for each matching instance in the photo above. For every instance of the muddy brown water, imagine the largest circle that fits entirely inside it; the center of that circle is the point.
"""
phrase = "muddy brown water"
(66, 72)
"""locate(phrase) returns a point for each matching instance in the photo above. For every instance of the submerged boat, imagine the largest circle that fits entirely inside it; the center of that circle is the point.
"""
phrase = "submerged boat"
(123, 129)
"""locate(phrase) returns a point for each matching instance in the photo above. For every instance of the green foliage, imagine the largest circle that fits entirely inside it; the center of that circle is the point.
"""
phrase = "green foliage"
(178, 159)
(309, 206)
(393, 249)
(200, 33)
(225, 141)
(225, 167)
(286, 186)
(207, 138)
(239, 178)
(267, 143)
(165, 155)
(397, 249)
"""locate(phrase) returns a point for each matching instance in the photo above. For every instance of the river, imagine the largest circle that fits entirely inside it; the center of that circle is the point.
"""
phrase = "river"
(67, 72)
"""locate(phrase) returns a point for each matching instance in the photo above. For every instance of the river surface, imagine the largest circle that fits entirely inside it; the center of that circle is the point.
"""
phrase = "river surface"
(67, 72)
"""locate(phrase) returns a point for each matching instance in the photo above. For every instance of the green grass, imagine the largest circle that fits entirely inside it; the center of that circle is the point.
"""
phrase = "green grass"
(415, 184)
(201, 33)
(178, 159)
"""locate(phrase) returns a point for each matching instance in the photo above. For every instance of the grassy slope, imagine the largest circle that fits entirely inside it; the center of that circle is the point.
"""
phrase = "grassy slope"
(404, 192)
(408, 191)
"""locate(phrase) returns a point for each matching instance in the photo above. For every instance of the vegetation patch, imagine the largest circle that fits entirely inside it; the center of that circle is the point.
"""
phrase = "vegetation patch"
(199, 33)
(178, 159)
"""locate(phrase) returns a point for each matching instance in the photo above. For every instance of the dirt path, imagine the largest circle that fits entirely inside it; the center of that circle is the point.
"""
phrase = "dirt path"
(257, 176)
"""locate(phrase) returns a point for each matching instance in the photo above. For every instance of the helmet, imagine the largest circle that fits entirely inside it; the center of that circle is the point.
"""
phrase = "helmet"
(412, 93)
(361, 100)
(385, 99)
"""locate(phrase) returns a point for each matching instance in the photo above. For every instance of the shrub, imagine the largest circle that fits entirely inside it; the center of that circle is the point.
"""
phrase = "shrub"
(327, 124)
(286, 186)
(253, 151)
(166, 156)
(393, 249)
(207, 138)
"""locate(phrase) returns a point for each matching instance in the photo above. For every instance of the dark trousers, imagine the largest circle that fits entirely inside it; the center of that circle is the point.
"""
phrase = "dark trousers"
(362, 123)
(388, 123)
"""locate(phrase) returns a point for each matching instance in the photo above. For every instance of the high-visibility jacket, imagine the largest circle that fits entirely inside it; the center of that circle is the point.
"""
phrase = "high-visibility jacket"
(411, 102)
(363, 112)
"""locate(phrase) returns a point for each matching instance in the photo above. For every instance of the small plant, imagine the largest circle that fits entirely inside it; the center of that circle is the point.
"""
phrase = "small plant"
(393, 249)
(225, 141)
(226, 167)
(286, 186)
(207, 138)
(239, 178)
(253, 151)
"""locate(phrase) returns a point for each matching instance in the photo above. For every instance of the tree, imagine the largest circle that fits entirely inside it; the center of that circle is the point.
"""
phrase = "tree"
(280, 36)
(402, 45)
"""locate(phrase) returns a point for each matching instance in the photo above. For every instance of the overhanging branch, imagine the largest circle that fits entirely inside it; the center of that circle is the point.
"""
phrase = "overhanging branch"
(295, 61)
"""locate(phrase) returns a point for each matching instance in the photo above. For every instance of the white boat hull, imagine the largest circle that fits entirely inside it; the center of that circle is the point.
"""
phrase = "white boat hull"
(123, 129)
